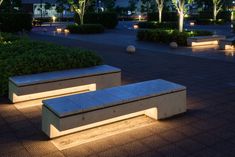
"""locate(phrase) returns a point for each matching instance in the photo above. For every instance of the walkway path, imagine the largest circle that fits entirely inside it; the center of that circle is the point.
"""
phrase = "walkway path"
(124, 35)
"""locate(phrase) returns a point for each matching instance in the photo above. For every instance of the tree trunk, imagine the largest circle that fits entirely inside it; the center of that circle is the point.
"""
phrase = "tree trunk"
(181, 21)
(81, 19)
(215, 12)
(160, 15)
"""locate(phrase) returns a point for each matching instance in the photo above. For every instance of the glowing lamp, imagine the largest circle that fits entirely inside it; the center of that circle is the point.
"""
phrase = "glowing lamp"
(229, 47)
(135, 26)
(58, 30)
(139, 17)
(66, 31)
(192, 23)
(53, 18)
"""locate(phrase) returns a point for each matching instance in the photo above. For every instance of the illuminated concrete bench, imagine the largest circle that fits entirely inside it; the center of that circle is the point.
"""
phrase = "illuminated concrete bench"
(157, 99)
(32, 89)
(227, 44)
(204, 40)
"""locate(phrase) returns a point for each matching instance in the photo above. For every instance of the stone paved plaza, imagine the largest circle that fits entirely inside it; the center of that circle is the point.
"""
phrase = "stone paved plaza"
(206, 130)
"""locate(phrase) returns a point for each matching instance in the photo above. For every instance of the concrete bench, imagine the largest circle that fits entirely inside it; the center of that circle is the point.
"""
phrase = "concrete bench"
(227, 44)
(205, 40)
(32, 89)
(157, 99)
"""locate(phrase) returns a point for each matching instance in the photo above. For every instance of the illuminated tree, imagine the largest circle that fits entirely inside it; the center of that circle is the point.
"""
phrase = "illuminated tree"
(160, 6)
(79, 7)
(1, 2)
(217, 7)
(180, 7)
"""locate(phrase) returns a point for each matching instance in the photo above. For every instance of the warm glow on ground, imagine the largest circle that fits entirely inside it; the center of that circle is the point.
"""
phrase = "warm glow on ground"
(54, 132)
(102, 132)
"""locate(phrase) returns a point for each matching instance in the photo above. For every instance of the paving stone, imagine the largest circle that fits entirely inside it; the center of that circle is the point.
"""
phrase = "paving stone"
(114, 152)
(121, 139)
(207, 139)
(172, 136)
(100, 145)
(189, 131)
(151, 154)
(22, 124)
(203, 125)
(225, 132)
(208, 152)
(9, 147)
(55, 154)
(140, 133)
(24, 133)
(157, 129)
(154, 142)
(5, 128)
(81, 151)
(172, 151)
(10, 111)
(18, 153)
(38, 145)
(226, 148)
(134, 148)
(190, 146)
(14, 119)
(7, 137)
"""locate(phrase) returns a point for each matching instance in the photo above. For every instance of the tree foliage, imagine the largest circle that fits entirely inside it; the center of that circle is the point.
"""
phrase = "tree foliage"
(10, 5)
(109, 4)
(148, 6)
(132, 5)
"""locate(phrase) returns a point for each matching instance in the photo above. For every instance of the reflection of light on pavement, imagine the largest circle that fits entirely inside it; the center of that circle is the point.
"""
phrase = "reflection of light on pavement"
(229, 53)
(102, 132)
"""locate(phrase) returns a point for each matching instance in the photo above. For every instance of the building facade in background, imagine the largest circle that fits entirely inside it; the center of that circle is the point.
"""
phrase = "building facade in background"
(44, 9)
